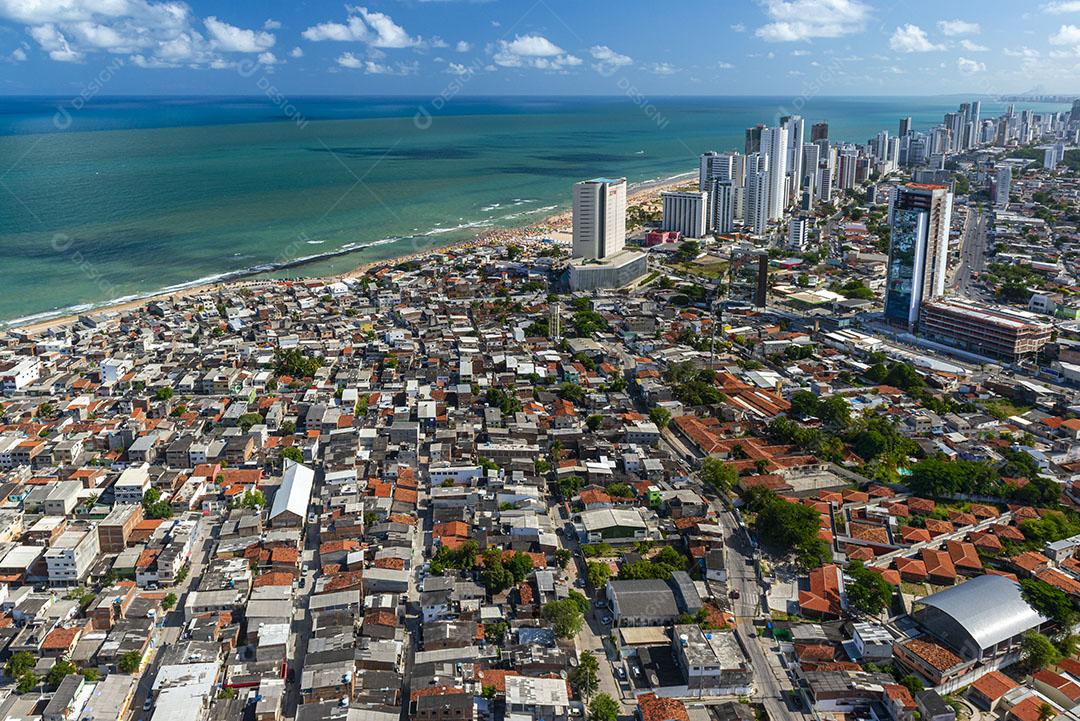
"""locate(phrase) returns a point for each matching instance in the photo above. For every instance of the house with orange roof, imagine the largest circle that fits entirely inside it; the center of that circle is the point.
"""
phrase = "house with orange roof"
(939, 566)
(910, 569)
(1031, 709)
(822, 598)
(1057, 688)
(964, 557)
(655, 708)
(989, 688)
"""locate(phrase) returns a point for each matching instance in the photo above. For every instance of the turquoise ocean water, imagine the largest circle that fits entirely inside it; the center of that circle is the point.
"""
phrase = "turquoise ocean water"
(127, 196)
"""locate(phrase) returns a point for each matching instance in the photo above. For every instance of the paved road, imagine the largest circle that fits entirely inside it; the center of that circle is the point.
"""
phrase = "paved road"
(972, 253)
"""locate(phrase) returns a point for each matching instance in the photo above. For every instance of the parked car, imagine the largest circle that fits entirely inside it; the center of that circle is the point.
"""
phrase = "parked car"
(734, 593)
(606, 620)
(148, 703)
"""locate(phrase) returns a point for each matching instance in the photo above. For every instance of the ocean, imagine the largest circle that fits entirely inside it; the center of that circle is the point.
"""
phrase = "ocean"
(121, 197)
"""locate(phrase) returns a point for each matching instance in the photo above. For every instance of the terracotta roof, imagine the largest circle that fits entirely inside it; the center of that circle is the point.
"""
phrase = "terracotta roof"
(935, 655)
(654, 708)
(994, 685)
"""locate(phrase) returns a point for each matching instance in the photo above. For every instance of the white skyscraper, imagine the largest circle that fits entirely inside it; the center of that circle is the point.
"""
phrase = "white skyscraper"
(1002, 186)
(599, 217)
(799, 233)
(715, 166)
(774, 146)
(757, 193)
(722, 196)
(796, 136)
(686, 213)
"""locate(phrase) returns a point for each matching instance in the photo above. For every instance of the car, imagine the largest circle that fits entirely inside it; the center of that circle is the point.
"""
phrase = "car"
(620, 672)
(303, 582)
(734, 593)
(580, 583)
(635, 670)
(600, 603)
(148, 703)
(606, 620)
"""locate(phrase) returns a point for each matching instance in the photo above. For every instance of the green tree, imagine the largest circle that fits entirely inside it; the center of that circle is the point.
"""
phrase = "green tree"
(154, 506)
(791, 528)
(293, 453)
(247, 420)
(562, 557)
(660, 416)
(19, 663)
(586, 677)
(496, 576)
(164, 393)
(293, 362)
(594, 422)
(1049, 601)
(868, 592)
(495, 631)
(520, 566)
(580, 600)
(597, 574)
(91, 674)
(912, 683)
(718, 475)
(1038, 651)
(60, 671)
(129, 662)
(565, 617)
(603, 708)
(169, 601)
(27, 682)
(288, 428)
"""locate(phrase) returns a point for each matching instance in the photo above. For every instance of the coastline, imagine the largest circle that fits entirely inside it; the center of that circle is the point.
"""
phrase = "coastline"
(560, 221)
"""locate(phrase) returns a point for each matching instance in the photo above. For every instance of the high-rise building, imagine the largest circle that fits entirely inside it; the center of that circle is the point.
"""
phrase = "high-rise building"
(824, 184)
(799, 232)
(819, 131)
(986, 330)
(845, 168)
(905, 126)
(722, 197)
(811, 158)
(756, 205)
(1050, 160)
(919, 219)
(753, 138)
(774, 144)
(686, 213)
(796, 136)
(599, 217)
(1002, 185)
(715, 166)
(1074, 115)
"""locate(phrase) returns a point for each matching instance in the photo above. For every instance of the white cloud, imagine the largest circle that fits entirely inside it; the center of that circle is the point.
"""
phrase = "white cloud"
(969, 67)
(607, 60)
(799, 53)
(534, 51)
(154, 33)
(237, 40)
(953, 28)
(724, 66)
(1062, 6)
(1066, 35)
(462, 46)
(348, 60)
(372, 28)
(437, 42)
(794, 20)
(55, 44)
(296, 53)
(973, 47)
(1022, 52)
(912, 39)
(738, 28)
(271, 24)
(267, 58)
(458, 69)
(661, 68)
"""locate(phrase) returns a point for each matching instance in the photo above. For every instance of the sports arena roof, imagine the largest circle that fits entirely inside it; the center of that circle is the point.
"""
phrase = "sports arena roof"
(978, 614)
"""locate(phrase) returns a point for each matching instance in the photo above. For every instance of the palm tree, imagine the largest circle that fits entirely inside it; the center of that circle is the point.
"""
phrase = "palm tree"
(1046, 712)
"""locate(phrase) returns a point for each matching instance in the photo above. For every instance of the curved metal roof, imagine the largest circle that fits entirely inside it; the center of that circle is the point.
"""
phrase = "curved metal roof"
(990, 608)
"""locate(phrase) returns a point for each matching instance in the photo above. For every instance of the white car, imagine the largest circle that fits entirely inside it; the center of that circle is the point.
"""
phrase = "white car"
(148, 703)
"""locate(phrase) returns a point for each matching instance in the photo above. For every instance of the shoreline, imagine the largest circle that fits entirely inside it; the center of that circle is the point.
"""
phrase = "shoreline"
(645, 191)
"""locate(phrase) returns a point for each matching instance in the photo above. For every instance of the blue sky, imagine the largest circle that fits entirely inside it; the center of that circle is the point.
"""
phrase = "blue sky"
(700, 47)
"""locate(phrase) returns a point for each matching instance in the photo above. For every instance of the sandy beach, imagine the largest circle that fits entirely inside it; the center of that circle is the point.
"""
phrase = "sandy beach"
(641, 193)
